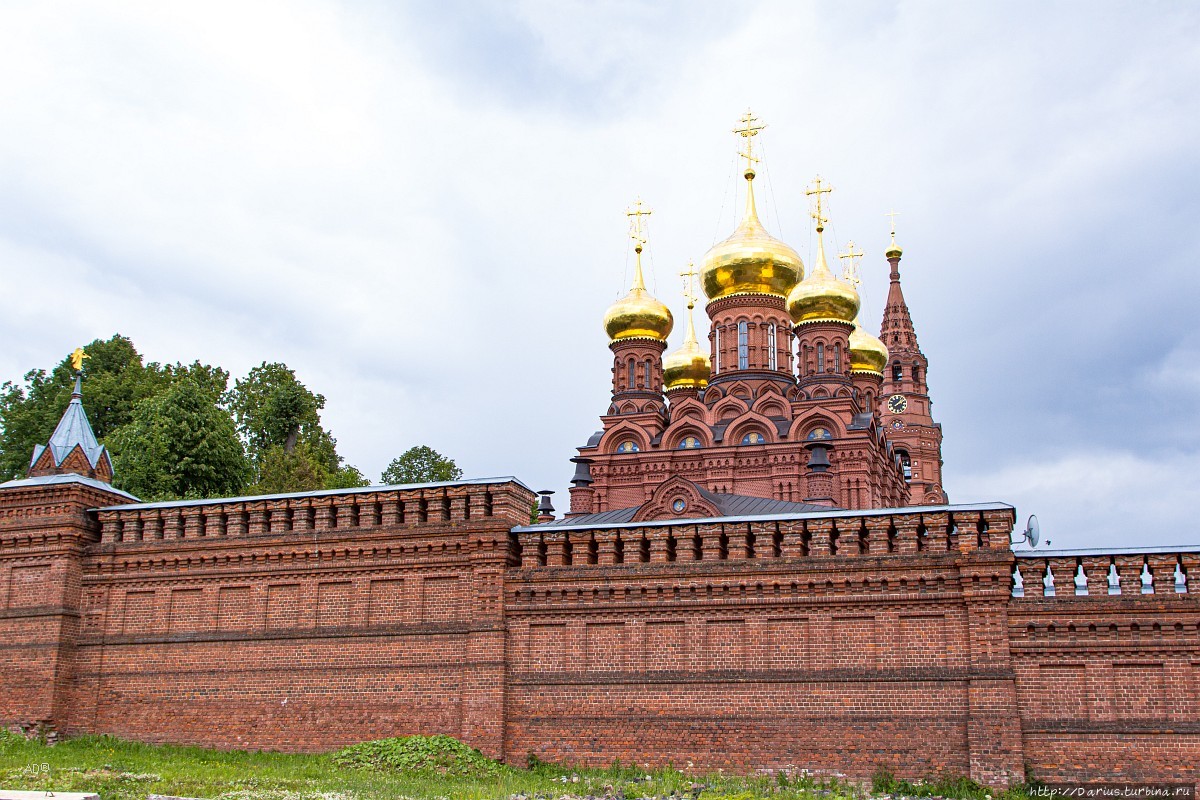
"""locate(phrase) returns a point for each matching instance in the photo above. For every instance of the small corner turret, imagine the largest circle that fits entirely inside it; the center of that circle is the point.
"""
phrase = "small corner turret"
(73, 447)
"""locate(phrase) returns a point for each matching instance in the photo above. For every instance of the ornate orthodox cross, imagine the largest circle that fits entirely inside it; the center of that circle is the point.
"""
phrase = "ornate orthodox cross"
(750, 128)
(892, 215)
(689, 284)
(819, 188)
(850, 271)
(636, 232)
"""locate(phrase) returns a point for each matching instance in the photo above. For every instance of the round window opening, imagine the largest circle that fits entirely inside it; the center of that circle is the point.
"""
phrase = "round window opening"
(679, 505)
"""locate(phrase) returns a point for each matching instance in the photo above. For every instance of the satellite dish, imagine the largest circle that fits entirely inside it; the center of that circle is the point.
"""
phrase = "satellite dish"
(1032, 531)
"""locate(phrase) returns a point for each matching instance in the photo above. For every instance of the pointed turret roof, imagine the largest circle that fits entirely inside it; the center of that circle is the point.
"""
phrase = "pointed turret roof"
(74, 434)
(897, 329)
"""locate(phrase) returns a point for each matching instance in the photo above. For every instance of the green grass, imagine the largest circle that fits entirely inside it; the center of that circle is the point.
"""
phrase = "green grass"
(418, 767)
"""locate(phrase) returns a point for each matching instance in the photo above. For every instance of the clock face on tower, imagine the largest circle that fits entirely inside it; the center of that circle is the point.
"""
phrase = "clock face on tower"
(897, 403)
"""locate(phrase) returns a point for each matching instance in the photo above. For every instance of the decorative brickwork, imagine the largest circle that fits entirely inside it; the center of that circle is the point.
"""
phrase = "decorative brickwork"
(820, 640)
(773, 389)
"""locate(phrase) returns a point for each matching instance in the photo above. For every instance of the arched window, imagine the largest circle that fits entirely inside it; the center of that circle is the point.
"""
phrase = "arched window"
(689, 443)
(820, 356)
(772, 354)
(916, 372)
(906, 462)
(897, 372)
(632, 377)
(837, 359)
(628, 446)
(754, 437)
(717, 337)
(649, 384)
(743, 345)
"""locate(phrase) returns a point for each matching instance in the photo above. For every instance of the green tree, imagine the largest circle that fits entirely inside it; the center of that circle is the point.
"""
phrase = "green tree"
(279, 419)
(115, 381)
(301, 471)
(179, 444)
(421, 464)
(273, 408)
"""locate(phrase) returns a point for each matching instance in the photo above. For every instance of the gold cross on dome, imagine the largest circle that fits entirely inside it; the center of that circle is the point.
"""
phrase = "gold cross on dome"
(636, 231)
(893, 215)
(750, 128)
(689, 283)
(819, 189)
(77, 358)
(850, 271)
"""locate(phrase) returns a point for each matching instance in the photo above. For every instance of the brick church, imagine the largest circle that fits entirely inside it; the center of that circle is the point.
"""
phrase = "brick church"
(760, 571)
(793, 402)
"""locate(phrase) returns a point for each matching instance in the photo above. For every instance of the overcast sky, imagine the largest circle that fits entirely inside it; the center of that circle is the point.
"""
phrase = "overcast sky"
(419, 208)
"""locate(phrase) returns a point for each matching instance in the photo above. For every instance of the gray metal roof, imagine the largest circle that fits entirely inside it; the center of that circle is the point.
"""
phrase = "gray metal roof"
(735, 505)
(54, 480)
(1106, 551)
(727, 504)
(747, 509)
(73, 430)
(615, 517)
(319, 493)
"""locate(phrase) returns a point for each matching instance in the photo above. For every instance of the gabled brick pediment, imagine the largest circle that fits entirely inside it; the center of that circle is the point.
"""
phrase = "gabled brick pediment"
(676, 498)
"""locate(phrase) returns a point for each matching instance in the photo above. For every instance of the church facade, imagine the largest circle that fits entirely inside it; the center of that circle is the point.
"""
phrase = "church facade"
(791, 399)
(759, 572)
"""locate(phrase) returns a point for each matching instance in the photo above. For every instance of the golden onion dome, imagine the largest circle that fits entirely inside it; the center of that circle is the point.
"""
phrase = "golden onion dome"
(750, 261)
(821, 297)
(638, 315)
(867, 353)
(893, 251)
(689, 366)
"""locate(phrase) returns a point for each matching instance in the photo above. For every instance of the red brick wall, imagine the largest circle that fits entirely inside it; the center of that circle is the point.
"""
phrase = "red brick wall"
(834, 644)
(808, 660)
(44, 532)
(1109, 684)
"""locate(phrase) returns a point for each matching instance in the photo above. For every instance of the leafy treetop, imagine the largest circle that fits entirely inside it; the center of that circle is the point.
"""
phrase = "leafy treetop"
(421, 464)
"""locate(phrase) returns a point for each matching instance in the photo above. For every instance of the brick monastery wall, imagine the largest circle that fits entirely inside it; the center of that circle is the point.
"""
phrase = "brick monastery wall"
(1108, 683)
(818, 644)
(838, 642)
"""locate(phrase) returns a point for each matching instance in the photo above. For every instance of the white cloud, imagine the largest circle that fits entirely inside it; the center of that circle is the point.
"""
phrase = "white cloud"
(423, 215)
(1102, 497)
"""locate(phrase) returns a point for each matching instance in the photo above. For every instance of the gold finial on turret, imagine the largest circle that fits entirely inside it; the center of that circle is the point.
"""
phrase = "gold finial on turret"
(821, 297)
(689, 284)
(750, 128)
(637, 232)
(892, 216)
(750, 260)
(77, 357)
(638, 315)
(893, 250)
(850, 271)
(689, 294)
(867, 352)
(819, 188)
(689, 366)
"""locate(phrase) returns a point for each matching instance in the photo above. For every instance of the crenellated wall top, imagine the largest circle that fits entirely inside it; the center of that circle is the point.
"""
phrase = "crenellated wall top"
(944, 529)
(500, 501)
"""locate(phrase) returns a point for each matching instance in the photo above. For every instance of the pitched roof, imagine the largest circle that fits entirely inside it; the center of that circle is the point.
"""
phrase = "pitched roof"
(730, 505)
(70, 477)
(73, 430)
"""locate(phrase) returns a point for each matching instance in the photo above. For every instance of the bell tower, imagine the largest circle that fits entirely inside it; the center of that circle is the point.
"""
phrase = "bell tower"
(905, 405)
